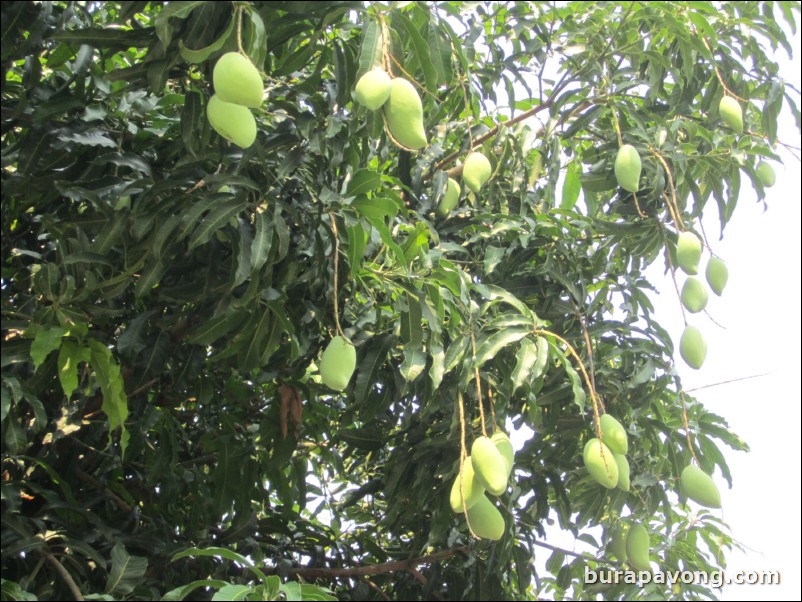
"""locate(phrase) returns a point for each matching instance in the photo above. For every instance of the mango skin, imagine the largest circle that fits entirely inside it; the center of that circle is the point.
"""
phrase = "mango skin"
(638, 547)
(489, 465)
(623, 471)
(618, 542)
(237, 80)
(373, 89)
(338, 363)
(450, 198)
(692, 347)
(731, 113)
(628, 167)
(600, 463)
(689, 252)
(504, 446)
(485, 519)
(694, 295)
(765, 172)
(697, 485)
(614, 435)
(470, 485)
(233, 122)
(717, 275)
(403, 112)
(476, 171)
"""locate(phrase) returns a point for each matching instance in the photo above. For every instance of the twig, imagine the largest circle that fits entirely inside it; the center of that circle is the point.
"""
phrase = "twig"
(727, 382)
(336, 261)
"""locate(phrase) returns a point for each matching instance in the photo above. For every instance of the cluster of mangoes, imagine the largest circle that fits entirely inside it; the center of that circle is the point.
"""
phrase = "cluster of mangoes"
(476, 171)
(606, 458)
(238, 89)
(403, 114)
(692, 346)
(487, 469)
(732, 115)
(630, 543)
(400, 104)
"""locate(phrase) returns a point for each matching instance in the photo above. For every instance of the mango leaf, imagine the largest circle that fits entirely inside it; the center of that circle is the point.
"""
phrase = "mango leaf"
(363, 182)
(179, 593)
(216, 219)
(422, 51)
(376, 207)
(356, 247)
(46, 340)
(198, 56)
(576, 382)
(369, 366)
(370, 55)
(180, 10)
(294, 591)
(571, 186)
(256, 38)
(126, 571)
(222, 553)
(233, 592)
(115, 402)
(70, 355)
(489, 346)
(413, 364)
(525, 359)
(250, 355)
(262, 239)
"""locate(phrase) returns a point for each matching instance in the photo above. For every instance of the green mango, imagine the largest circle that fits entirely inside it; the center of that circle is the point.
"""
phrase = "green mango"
(613, 434)
(638, 547)
(504, 446)
(694, 295)
(698, 486)
(489, 465)
(237, 80)
(233, 122)
(617, 546)
(692, 347)
(403, 112)
(373, 89)
(476, 171)
(689, 252)
(623, 471)
(730, 111)
(485, 519)
(765, 172)
(717, 275)
(600, 463)
(470, 485)
(450, 198)
(338, 363)
(627, 168)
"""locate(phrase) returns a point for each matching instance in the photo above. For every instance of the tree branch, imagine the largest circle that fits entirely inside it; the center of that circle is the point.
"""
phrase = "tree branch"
(494, 130)
(63, 573)
(373, 569)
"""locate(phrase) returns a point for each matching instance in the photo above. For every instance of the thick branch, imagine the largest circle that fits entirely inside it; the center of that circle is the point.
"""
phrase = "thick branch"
(494, 130)
(63, 573)
(374, 569)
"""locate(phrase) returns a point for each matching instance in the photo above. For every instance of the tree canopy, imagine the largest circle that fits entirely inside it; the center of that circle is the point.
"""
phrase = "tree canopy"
(168, 292)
